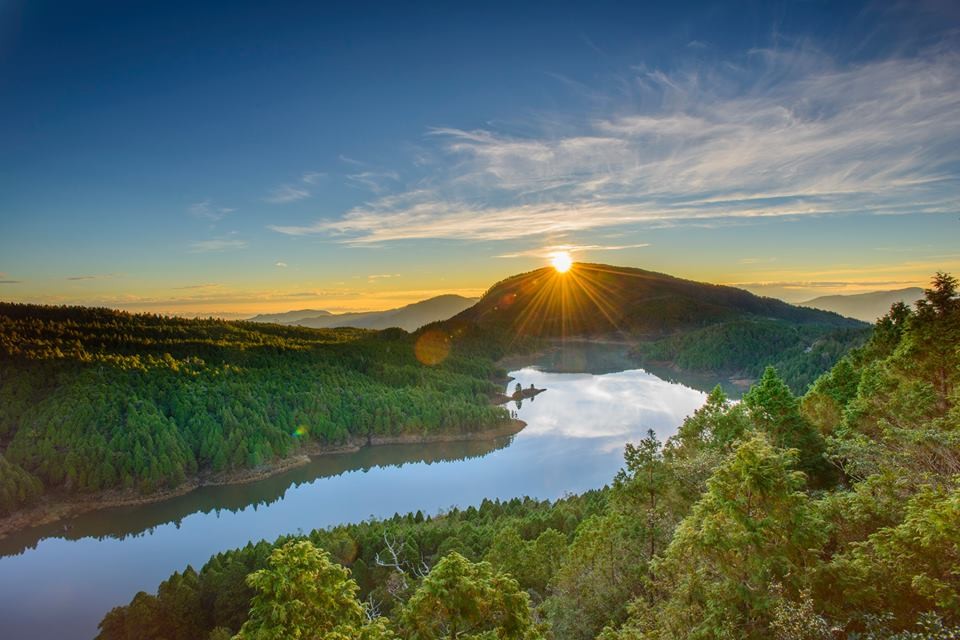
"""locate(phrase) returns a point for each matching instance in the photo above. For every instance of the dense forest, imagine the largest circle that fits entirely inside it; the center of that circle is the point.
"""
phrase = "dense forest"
(744, 348)
(95, 399)
(831, 515)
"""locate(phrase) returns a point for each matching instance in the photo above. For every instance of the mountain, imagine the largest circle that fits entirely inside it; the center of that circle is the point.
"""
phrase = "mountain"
(685, 325)
(865, 306)
(410, 317)
(593, 299)
(289, 317)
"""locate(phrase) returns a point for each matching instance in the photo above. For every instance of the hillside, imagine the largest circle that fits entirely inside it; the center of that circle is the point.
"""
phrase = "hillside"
(594, 299)
(865, 306)
(835, 516)
(410, 317)
(690, 325)
(95, 400)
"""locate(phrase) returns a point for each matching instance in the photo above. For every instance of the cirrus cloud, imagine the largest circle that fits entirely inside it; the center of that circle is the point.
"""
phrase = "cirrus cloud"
(771, 134)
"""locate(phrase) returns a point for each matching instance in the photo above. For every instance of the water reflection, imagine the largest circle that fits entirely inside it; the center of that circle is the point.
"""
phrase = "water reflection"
(60, 586)
(578, 355)
(121, 522)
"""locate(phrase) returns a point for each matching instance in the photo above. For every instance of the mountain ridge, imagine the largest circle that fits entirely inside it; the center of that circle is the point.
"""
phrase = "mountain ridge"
(865, 306)
(664, 321)
(625, 300)
(408, 317)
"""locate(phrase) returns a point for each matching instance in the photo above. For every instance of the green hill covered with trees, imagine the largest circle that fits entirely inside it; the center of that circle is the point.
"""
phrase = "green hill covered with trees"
(94, 399)
(831, 515)
(693, 326)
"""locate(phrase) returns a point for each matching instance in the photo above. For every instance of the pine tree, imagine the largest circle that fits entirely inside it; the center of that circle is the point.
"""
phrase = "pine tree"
(460, 599)
(775, 411)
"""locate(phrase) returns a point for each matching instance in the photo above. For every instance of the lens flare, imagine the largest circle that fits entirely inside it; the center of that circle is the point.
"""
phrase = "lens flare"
(432, 347)
(561, 261)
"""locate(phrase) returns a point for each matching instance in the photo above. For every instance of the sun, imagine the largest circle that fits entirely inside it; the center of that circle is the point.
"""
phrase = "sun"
(561, 261)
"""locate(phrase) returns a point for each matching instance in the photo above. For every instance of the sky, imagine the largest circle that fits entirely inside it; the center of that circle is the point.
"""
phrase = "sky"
(231, 158)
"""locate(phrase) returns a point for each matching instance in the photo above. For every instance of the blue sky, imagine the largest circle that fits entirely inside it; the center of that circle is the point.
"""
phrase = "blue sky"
(236, 157)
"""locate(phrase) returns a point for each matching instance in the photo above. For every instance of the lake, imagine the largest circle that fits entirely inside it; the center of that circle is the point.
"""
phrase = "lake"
(58, 581)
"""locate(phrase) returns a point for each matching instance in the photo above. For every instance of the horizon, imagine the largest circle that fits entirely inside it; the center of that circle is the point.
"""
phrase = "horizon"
(202, 159)
(474, 298)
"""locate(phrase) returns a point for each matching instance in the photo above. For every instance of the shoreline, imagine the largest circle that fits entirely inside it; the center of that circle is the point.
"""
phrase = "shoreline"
(54, 508)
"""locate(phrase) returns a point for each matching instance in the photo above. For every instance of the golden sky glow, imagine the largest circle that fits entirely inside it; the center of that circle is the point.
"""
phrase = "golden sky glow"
(791, 166)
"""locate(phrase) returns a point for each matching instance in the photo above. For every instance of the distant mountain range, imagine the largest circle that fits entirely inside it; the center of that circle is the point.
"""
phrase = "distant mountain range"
(410, 317)
(865, 306)
(289, 317)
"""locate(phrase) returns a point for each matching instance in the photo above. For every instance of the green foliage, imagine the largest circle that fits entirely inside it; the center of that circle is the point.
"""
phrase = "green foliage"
(604, 568)
(225, 596)
(716, 534)
(905, 568)
(775, 411)
(824, 402)
(92, 399)
(18, 487)
(461, 599)
(532, 562)
(747, 346)
(302, 595)
(718, 424)
(754, 526)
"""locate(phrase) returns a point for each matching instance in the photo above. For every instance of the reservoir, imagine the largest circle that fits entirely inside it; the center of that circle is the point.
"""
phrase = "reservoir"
(57, 581)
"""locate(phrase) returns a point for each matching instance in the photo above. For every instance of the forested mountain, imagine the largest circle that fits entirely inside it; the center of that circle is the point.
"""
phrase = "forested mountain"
(865, 306)
(690, 325)
(831, 516)
(410, 317)
(94, 399)
(593, 299)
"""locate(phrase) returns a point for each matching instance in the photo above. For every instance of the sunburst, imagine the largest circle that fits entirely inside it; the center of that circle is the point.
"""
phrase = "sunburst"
(561, 261)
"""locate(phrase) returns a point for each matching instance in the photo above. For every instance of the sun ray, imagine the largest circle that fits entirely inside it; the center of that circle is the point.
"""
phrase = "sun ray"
(563, 304)
(561, 261)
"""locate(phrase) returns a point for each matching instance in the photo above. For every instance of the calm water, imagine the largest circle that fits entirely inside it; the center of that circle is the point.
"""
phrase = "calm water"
(58, 581)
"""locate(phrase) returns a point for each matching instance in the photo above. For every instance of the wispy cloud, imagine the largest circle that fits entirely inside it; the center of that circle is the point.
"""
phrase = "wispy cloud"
(375, 181)
(282, 265)
(207, 210)
(774, 133)
(10, 281)
(287, 193)
(228, 242)
(382, 276)
(352, 161)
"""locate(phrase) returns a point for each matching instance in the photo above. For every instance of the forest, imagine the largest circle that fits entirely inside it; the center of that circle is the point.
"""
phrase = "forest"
(744, 347)
(95, 399)
(835, 514)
